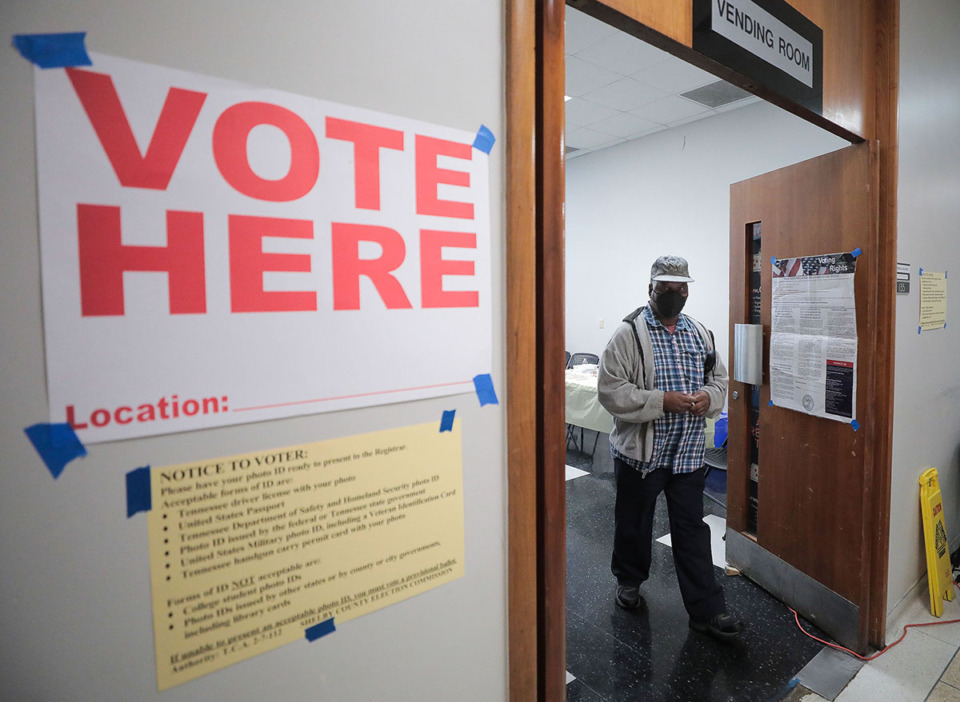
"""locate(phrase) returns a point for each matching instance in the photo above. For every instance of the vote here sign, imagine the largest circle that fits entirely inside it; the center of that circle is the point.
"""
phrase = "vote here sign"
(216, 253)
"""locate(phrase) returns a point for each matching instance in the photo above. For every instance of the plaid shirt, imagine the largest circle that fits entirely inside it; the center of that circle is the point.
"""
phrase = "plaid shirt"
(678, 439)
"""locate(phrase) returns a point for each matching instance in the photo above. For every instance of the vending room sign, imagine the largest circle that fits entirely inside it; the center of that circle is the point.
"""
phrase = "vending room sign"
(216, 253)
(767, 41)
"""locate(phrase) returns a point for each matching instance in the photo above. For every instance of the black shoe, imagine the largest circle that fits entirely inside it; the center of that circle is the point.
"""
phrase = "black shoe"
(628, 596)
(723, 626)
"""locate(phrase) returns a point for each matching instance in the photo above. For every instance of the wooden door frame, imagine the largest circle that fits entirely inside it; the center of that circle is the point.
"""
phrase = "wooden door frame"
(534, 80)
(535, 349)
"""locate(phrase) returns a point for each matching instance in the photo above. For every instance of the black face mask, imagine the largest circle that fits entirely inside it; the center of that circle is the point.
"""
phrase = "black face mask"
(669, 303)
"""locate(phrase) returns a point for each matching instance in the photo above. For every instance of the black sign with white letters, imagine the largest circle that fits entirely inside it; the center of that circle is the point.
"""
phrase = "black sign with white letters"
(767, 41)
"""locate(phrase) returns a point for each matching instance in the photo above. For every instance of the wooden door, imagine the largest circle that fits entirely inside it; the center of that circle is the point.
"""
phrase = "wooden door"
(804, 533)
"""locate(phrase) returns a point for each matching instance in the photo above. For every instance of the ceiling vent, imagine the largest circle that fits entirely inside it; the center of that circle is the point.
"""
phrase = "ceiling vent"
(716, 94)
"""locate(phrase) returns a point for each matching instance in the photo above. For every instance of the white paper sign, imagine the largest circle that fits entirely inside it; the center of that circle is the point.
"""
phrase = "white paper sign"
(813, 340)
(933, 300)
(216, 253)
(754, 29)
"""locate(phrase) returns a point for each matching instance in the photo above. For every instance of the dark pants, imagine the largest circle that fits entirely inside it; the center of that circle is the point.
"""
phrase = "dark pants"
(632, 542)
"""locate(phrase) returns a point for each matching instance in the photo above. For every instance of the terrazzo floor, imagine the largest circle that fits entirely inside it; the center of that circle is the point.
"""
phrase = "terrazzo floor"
(651, 653)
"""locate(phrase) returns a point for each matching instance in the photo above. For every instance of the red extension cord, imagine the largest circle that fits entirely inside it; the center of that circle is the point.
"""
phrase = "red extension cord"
(881, 651)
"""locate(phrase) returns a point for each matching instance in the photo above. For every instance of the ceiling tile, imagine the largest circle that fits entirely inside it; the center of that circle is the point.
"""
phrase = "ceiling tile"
(670, 109)
(585, 138)
(625, 125)
(583, 77)
(716, 94)
(694, 118)
(583, 113)
(674, 76)
(737, 105)
(624, 54)
(623, 87)
(658, 128)
(624, 94)
(582, 30)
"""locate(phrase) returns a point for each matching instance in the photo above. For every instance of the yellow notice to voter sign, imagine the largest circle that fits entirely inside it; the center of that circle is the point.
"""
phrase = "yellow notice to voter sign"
(253, 551)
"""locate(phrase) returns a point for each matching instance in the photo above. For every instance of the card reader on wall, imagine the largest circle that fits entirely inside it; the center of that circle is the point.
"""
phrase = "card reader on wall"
(748, 353)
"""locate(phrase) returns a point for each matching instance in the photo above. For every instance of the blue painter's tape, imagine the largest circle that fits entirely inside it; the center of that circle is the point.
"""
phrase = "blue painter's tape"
(138, 491)
(484, 140)
(855, 424)
(773, 260)
(921, 271)
(484, 385)
(770, 403)
(446, 424)
(856, 252)
(946, 273)
(919, 329)
(53, 50)
(322, 629)
(57, 445)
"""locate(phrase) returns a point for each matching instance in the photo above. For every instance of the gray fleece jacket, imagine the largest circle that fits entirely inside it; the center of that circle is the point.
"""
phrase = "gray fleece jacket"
(628, 391)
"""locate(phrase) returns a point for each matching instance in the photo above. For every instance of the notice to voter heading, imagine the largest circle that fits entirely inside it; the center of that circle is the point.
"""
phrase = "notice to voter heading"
(248, 552)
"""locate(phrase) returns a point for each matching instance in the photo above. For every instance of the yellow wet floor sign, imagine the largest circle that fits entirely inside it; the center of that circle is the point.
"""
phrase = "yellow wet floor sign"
(939, 571)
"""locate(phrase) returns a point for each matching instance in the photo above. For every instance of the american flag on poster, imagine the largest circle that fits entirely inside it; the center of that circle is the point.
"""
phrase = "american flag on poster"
(813, 335)
(829, 264)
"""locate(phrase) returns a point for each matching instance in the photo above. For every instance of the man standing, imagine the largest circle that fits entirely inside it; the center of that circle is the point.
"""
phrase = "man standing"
(659, 377)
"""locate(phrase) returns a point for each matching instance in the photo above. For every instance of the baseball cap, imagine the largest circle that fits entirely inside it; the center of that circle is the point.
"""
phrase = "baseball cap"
(670, 269)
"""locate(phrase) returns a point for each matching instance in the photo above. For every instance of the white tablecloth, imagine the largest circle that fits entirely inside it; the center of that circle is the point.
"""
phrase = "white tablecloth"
(583, 407)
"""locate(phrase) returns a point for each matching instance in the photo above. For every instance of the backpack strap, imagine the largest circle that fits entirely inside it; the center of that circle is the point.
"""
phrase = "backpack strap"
(631, 319)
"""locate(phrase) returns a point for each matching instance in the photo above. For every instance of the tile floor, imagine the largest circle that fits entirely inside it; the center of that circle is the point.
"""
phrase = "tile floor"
(924, 666)
(651, 654)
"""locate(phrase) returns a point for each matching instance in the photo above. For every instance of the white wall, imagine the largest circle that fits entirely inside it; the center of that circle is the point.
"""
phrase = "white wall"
(668, 193)
(926, 420)
(75, 619)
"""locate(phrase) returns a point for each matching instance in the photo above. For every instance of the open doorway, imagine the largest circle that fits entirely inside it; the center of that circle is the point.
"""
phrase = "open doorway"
(653, 145)
(859, 103)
